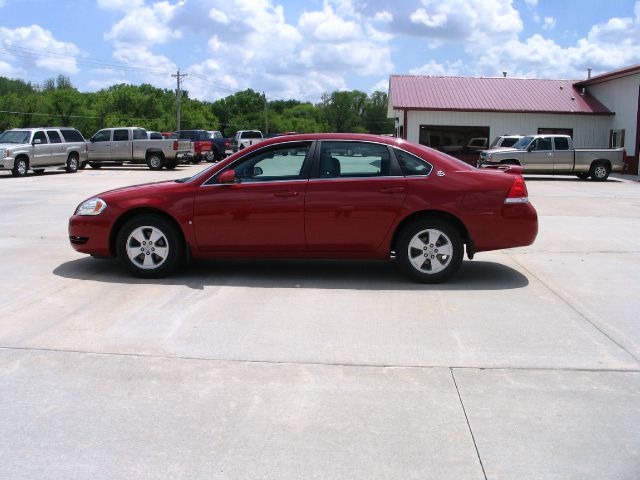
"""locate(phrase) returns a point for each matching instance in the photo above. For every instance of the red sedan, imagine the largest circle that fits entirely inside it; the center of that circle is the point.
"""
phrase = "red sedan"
(314, 196)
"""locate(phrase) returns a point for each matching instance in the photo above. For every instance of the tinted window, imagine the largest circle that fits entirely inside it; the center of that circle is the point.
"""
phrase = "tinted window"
(561, 143)
(251, 134)
(54, 137)
(412, 165)
(138, 134)
(15, 136)
(155, 136)
(72, 136)
(39, 135)
(283, 162)
(121, 135)
(353, 159)
(102, 136)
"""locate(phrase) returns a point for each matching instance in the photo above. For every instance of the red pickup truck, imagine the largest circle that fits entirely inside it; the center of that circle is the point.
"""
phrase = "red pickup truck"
(200, 142)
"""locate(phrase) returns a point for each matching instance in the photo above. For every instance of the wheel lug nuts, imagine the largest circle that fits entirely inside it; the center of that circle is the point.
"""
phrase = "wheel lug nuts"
(433, 256)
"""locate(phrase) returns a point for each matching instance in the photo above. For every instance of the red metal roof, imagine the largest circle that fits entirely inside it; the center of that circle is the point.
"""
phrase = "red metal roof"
(621, 72)
(470, 94)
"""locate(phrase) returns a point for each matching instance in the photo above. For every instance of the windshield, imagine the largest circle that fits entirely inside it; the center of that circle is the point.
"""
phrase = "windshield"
(15, 136)
(522, 143)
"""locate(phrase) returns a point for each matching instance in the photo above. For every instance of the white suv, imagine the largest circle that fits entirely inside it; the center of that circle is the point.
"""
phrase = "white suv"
(245, 138)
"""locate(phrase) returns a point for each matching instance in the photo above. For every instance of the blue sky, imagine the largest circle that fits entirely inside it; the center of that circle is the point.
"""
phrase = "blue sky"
(300, 49)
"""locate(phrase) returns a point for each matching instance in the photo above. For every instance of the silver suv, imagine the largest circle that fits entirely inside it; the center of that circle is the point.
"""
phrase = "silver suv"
(37, 149)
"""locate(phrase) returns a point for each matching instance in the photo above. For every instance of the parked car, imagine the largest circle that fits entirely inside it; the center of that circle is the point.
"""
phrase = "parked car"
(504, 141)
(219, 145)
(555, 154)
(300, 197)
(38, 149)
(473, 145)
(245, 138)
(115, 146)
(200, 144)
(154, 135)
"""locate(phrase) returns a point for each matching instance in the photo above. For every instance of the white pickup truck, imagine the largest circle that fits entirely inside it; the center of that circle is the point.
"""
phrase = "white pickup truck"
(115, 146)
(555, 154)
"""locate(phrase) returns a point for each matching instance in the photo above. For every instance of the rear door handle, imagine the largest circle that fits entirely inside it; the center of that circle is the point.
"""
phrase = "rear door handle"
(285, 194)
(391, 190)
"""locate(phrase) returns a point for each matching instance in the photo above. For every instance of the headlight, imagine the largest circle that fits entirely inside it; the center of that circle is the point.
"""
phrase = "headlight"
(5, 153)
(488, 156)
(93, 206)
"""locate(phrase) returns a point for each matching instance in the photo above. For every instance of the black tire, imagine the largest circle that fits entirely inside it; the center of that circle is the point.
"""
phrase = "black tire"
(73, 162)
(149, 263)
(582, 175)
(95, 166)
(82, 165)
(171, 165)
(155, 161)
(20, 167)
(434, 265)
(599, 171)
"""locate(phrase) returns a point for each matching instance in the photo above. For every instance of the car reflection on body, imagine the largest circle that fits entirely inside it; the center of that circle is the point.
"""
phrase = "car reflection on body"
(301, 196)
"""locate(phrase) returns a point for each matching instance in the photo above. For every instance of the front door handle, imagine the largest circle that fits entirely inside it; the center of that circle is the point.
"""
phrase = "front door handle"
(285, 194)
(391, 190)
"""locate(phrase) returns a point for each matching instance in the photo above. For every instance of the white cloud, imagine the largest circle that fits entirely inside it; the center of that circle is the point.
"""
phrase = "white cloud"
(549, 23)
(531, 3)
(145, 25)
(25, 47)
(435, 69)
(124, 5)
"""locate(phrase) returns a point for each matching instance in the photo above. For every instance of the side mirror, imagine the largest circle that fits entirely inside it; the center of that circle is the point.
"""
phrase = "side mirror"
(227, 177)
(37, 141)
(92, 140)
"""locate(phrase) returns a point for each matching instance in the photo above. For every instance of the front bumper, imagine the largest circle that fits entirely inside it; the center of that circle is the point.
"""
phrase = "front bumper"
(90, 234)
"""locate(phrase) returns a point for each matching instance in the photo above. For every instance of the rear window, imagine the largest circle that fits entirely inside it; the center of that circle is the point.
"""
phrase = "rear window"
(72, 136)
(251, 134)
(561, 143)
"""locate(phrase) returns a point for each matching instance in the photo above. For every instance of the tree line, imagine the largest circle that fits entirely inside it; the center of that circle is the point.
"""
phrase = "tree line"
(58, 103)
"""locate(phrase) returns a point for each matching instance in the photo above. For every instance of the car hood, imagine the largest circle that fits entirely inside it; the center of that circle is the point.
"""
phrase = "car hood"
(141, 190)
(14, 146)
(502, 149)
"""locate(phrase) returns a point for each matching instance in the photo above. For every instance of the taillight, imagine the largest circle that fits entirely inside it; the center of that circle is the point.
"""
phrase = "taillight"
(518, 192)
(175, 145)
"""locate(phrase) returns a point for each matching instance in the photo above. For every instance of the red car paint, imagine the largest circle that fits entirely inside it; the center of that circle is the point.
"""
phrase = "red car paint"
(318, 217)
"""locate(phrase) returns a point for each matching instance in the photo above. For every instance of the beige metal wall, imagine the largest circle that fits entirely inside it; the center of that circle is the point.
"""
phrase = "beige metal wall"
(588, 130)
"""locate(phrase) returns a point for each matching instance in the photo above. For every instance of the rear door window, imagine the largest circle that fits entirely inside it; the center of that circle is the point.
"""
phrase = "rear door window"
(354, 159)
(561, 143)
(120, 135)
(54, 137)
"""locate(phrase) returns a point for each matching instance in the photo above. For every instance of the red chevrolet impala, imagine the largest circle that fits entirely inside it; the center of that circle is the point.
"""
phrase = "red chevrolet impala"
(314, 196)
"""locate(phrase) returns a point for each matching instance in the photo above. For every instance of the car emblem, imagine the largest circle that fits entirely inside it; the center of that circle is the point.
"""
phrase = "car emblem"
(440, 173)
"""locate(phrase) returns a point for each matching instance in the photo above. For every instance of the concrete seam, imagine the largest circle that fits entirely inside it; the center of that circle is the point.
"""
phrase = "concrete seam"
(575, 309)
(319, 364)
(466, 417)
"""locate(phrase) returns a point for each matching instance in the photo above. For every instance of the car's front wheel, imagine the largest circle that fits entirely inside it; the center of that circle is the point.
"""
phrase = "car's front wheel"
(430, 251)
(149, 246)
(20, 167)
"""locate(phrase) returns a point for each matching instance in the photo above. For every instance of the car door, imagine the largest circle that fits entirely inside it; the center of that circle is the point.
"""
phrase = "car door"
(263, 211)
(354, 196)
(58, 149)
(120, 145)
(99, 148)
(562, 155)
(41, 150)
(539, 157)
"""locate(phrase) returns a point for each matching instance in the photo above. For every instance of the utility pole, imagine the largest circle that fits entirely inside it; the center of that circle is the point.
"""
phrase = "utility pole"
(266, 115)
(178, 76)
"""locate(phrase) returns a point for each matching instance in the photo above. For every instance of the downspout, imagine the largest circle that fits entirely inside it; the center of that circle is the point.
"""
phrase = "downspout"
(404, 129)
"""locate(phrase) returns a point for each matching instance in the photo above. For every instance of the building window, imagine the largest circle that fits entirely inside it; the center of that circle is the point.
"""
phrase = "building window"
(616, 138)
(455, 140)
(556, 131)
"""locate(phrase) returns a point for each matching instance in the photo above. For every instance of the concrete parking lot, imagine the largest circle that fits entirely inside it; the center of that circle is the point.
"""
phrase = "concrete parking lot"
(525, 366)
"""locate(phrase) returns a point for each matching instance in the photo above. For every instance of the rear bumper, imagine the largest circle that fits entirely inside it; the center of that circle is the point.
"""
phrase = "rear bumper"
(516, 226)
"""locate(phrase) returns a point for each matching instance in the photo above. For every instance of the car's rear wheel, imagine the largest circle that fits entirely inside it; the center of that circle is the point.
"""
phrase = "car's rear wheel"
(72, 163)
(149, 246)
(599, 171)
(20, 167)
(155, 161)
(430, 251)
